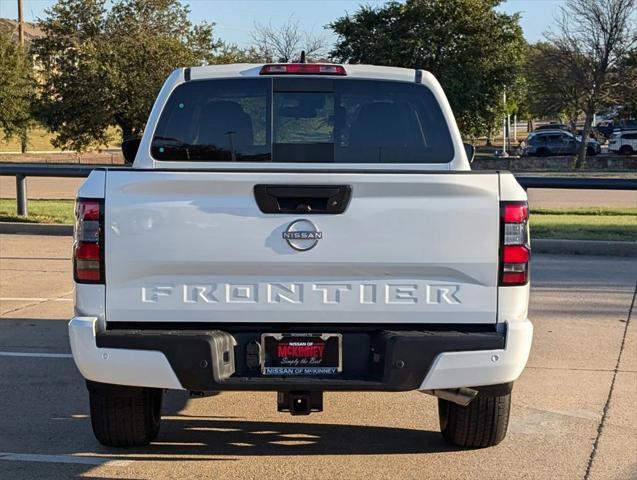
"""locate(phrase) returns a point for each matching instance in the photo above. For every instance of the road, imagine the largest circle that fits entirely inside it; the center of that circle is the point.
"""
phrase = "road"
(49, 188)
(574, 414)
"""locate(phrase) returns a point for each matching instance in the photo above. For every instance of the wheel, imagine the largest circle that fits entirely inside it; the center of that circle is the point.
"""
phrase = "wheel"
(543, 152)
(591, 151)
(483, 423)
(626, 150)
(124, 416)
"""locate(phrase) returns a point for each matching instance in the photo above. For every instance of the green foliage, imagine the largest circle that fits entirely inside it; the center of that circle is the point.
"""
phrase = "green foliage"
(105, 67)
(16, 88)
(625, 86)
(230, 53)
(473, 50)
(552, 90)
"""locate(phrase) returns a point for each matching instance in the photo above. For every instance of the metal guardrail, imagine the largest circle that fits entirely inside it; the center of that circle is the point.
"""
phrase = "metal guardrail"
(583, 183)
(47, 170)
(23, 170)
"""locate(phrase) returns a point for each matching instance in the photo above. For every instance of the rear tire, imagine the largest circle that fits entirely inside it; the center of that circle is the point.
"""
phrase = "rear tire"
(483, 423)
(125, 416)
(626, 150)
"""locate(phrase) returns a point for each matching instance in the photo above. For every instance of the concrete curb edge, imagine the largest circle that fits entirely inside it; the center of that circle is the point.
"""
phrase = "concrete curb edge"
(23, 228)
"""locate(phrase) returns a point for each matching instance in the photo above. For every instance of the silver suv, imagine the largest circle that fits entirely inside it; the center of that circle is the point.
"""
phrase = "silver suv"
(557, 142)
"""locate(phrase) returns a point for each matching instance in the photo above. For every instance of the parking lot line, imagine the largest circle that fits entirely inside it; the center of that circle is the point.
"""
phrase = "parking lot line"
(36, 355)
(34, 299)
(36, 457)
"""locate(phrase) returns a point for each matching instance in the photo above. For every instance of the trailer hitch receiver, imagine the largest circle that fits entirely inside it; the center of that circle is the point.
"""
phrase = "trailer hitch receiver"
(300, 402)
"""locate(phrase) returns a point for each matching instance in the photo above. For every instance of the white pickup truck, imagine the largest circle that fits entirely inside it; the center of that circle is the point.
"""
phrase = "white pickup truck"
(300, 228)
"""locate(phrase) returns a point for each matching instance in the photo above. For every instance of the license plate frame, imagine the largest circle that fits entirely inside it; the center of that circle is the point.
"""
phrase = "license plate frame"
(304, 359)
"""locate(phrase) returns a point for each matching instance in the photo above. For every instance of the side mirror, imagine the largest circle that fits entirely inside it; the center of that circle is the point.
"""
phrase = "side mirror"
(129, 149)
(470, 150)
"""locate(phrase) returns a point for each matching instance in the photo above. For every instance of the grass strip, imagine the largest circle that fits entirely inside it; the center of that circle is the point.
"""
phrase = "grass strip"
(40, 211)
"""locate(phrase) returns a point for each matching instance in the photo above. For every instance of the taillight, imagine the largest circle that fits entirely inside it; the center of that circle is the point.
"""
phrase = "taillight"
(88, 249)
(302, 69)
(515, 251)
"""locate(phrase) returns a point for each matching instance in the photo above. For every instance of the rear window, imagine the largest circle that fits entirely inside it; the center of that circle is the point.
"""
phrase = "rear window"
(302, 120)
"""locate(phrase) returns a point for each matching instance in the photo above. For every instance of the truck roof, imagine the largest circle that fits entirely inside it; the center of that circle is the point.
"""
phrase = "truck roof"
(353, 71)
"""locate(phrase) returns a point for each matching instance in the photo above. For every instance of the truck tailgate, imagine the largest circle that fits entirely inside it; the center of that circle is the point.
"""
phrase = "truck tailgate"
(193, 246)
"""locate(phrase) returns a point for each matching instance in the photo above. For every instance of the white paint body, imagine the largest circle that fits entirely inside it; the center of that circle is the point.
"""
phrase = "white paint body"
(189, 244)
(623, 140)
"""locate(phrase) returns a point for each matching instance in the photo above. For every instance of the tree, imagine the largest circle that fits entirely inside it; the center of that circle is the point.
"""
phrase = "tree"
(285, 43)
(626, 87)
(103, 68)
(594, 36)
(473, 50)
(142, 54)
(73, 96)
(231, 53)
(551, 91)
(16, 89)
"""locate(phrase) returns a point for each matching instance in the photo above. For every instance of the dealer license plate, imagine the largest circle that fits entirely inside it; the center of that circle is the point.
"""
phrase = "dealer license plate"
(303, 354)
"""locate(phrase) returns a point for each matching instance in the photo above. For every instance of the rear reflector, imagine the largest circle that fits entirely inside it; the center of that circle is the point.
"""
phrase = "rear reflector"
(515, 251)
(517, 278)
(87, 271)
(88, 249)
(302, 69)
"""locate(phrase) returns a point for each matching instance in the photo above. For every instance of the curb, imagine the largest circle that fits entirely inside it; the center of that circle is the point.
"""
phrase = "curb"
(21, 228)
(584, 247)
(539, 245)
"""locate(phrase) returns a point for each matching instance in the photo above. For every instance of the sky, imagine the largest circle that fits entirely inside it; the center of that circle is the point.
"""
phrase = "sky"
(234, 19)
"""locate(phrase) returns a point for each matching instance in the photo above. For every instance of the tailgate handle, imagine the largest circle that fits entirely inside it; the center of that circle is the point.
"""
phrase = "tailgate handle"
(306, 199)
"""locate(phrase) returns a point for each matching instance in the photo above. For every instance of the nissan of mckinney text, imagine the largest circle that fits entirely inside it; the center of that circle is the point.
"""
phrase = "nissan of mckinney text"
(300, 229)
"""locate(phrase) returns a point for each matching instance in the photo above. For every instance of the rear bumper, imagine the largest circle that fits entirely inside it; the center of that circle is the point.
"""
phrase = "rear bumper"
(373, 359)
(489, 367)
(142, 368)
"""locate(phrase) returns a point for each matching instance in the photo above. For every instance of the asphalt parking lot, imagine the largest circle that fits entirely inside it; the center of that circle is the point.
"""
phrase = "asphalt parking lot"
(574, 413)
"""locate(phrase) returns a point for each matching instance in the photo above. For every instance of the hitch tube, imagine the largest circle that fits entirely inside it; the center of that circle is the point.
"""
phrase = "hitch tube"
(300, 402)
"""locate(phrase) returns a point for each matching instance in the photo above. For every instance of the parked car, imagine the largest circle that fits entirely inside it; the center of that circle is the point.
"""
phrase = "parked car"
(300, 228)
(557, 142)
(593, 146)
(623, 142)
(607, 127)
(553, 126)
